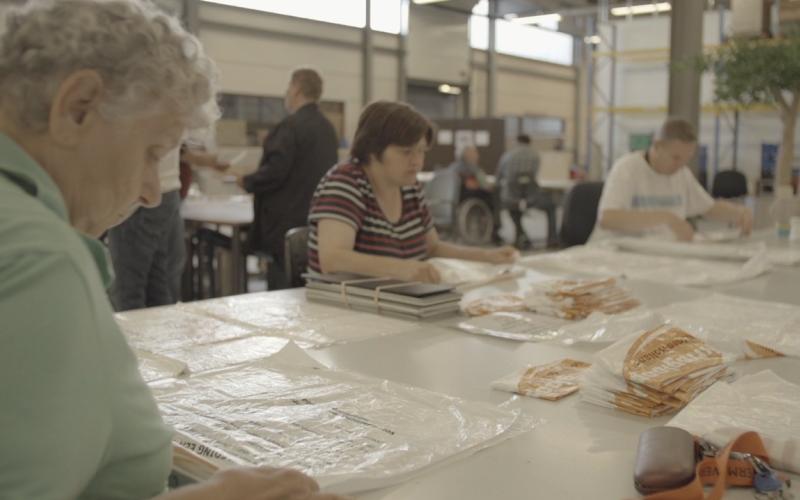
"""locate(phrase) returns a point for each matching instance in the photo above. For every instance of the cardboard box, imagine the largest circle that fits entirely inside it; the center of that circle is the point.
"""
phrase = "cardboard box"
(231, 133)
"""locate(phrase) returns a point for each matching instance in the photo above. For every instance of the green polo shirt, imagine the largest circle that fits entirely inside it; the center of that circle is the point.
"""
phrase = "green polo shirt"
(76, 419)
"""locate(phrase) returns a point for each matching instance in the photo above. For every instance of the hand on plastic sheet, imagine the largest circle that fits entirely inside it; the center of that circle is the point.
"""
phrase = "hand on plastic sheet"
(745, 221)
(503, 255)
(682, 229)
(424, 272)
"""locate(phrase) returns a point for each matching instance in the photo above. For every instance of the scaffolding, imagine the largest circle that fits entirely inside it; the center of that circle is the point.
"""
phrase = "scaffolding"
(603, 108)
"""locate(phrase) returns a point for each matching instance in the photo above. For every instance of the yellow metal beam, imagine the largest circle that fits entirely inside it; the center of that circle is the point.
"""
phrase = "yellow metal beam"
(707, 108)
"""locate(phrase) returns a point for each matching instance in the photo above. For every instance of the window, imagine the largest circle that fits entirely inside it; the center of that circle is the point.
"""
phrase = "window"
(262, 113)
(519, 39)
(389, 16)
(386, 15)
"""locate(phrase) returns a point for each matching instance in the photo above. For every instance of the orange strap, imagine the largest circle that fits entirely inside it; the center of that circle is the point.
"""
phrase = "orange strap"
(738, 472)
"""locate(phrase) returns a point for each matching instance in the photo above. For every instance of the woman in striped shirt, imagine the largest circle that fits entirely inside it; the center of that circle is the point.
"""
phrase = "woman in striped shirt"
(369, 216)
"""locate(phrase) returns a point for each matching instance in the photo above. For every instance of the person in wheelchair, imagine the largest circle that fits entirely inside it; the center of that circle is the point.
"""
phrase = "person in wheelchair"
(475, 183)
(519, 191)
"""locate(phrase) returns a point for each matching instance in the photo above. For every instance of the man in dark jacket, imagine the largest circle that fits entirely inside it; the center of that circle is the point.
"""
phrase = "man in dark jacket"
(297, 153)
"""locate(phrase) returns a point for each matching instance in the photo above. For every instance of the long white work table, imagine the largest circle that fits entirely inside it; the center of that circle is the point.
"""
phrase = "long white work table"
(577, 451)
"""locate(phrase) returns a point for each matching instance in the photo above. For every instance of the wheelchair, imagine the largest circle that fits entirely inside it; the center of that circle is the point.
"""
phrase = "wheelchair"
(458, 215)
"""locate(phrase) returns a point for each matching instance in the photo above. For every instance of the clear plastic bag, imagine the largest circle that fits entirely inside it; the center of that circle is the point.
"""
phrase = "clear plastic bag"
(654, 372)
(733, 251)
(350, 432)
(763, 402)
(597, 261)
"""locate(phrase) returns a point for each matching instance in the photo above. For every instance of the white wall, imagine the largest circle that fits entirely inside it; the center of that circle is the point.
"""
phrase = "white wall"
(438, 44)
(526, 87)
(257, 51)
(644, 83)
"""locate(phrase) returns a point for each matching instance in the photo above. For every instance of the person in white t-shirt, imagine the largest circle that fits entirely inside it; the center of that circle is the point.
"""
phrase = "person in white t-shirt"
(652, 193)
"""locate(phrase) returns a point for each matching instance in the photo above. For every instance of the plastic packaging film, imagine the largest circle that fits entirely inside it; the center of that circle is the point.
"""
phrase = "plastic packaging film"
(549, 310)
(742, 250)
(290, 316)
(762, 402)
(162, 329)
(552, 381)
(457, 271)
(200, 358)
(754, 328)
(520, 326)
(566, 299)
(349, 431)
(197, 339)
(597, 261)
(467, 275)
(172, 342)
(156, 366)
(748, 328)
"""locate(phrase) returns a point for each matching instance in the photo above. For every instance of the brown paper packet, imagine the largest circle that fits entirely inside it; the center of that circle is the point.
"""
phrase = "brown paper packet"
(552, 381)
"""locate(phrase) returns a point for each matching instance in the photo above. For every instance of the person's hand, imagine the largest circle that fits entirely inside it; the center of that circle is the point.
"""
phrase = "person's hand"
(503, 255)
(240, 181)
(254, 483)
(415, 270)
(681, 228)
(267, 483)
(220, 166)
(745, 221)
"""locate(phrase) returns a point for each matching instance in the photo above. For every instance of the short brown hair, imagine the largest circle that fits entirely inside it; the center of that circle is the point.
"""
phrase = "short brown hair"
(676, 129)
(308, 82)
(385, 123)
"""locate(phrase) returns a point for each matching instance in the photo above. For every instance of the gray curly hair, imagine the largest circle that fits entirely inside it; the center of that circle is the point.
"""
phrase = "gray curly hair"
(146, 59)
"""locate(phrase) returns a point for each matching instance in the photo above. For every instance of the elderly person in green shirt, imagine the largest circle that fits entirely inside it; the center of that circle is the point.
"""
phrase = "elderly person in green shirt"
(93, 93)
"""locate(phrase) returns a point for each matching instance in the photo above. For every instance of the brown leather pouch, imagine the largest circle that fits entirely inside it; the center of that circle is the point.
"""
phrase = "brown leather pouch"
(666, 459)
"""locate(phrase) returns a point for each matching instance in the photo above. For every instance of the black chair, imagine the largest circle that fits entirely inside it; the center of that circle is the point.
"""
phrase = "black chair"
(580, 213)
(296, 255)
(729, 184)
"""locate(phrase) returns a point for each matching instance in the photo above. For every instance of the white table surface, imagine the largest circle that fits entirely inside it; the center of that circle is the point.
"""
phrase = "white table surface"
(579, 451)
(227, 210)
(781, 284)
(557, 184)
(547, 183)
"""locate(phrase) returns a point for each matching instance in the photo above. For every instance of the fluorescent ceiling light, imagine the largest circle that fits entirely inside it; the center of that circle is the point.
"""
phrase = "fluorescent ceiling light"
(648, 8)
(422, 2)
(541, 19)
(449, 89)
